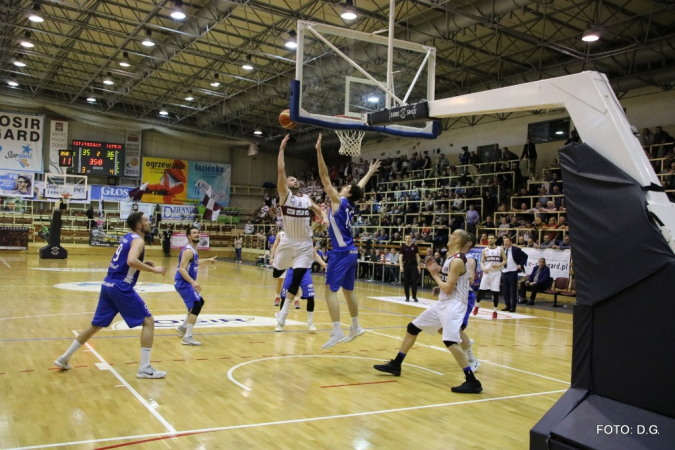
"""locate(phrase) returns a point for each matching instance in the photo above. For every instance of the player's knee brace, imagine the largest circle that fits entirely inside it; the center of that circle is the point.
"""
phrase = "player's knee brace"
(412, 329)
(449, 343)
(310, 304)
(296, 280)
(276, 273)
(197, 307)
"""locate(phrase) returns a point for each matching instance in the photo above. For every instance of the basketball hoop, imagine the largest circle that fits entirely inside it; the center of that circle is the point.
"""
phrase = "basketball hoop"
(65, 200)
(350, 140)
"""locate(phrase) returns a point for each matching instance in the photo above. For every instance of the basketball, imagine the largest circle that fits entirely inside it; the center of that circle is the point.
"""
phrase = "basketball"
(285, 120)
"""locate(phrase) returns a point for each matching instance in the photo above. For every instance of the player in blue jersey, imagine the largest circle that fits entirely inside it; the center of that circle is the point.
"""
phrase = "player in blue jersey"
(186, 284)
(118, 296)
(342, 264)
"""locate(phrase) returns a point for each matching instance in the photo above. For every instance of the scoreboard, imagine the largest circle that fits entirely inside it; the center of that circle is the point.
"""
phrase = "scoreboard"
(97, 158)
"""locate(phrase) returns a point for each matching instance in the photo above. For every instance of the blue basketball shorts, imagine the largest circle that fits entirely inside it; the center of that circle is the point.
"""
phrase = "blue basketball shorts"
(187, 293)
(341, 271)
(307, 285)
(119, 297)
(472, 302)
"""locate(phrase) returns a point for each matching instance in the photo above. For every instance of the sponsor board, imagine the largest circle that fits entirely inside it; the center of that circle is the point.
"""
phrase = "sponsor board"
(16, 184)
(64, 269)
(212, 321)
(209, 177)
(95, 286)
(483, 313)
(21, 141)
(58, 141)
(179, 241)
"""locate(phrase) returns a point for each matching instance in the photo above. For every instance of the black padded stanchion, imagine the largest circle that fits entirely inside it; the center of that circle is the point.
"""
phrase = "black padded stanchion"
(54, 250)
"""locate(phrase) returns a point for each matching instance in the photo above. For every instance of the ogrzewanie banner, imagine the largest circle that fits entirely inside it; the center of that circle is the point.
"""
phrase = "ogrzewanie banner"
(21, 142)
(167, 180)
(203, 175)
(16, 184)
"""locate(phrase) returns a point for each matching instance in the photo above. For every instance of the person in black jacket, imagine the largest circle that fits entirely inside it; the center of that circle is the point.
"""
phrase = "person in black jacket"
(530, 153)
(516, 259)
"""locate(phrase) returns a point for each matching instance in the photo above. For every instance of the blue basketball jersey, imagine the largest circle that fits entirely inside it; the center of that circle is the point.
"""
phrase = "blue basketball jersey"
(118, 268)
(340, 228)
(193, 265)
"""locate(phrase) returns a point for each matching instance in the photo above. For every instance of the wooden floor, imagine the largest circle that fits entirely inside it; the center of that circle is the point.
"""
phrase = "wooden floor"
(248, 387)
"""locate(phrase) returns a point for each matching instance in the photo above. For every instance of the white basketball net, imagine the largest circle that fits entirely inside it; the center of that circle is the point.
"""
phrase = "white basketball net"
(350, 141)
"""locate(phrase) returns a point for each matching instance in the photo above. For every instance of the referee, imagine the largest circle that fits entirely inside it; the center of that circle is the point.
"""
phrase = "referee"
(409, 262)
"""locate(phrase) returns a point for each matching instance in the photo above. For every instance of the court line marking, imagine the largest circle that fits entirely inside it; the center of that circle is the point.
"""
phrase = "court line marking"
(140, 398)
(284, 422)
(433, 347)
(6, 263)
(246, 388)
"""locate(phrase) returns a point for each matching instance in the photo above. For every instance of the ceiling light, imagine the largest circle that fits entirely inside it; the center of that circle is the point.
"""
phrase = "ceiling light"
(247, 65)
(590, 36)
(257, 132)
(348, 12)
(148, 42)
(26, 42)
(12, 83)
(215, 83)
(559, 132)
(91, 99)
(189, 98)
(18, 61)
(108, 81)
(373, 99)
(177, 12)
(292, 42)
(124, 62)
(35, 17)
(163, 112)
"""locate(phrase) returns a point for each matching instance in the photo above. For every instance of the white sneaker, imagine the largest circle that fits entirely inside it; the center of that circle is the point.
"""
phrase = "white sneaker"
(181, 329)
(190, 341)
(312, 328)
(62, 363)
(334, 339)
(279, 328)
(281, 318)
(353, 334)
(150, 372)
(474, 365)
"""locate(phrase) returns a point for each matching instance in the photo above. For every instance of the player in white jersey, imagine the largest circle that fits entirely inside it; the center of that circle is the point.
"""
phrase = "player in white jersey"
(296, 248)
(491, 263)
(448, 313)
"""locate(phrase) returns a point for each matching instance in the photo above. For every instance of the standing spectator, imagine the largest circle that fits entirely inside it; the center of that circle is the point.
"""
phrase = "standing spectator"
(530, 153)
(574, 138)
(410, 267)
(472, 219)
(661, 137)
(426, 167)
(90, 216)
(464, 159)
(238, 244)
(647, 139)
(166, 240)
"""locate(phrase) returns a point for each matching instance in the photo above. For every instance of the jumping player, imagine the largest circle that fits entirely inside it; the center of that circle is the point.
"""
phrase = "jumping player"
(185, 283)
(343, 260)
(118, 296)
(491, 264)
(296, 248)
(448, 313)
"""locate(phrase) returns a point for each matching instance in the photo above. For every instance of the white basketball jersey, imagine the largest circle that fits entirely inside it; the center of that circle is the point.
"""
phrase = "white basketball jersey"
(296, 215)
(493, 256)
(461, 291)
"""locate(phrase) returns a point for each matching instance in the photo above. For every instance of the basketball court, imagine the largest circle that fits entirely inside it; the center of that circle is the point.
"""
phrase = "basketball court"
(249, 387)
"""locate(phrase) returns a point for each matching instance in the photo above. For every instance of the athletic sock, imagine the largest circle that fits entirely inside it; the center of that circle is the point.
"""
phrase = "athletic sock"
(355, 322)
(75, 346)
(468, 373)
(399, 358)
(145, 357)
(188, 332)
(185, 322)
(336, 327)
(310, 316)
(469, 354)
(286, 306)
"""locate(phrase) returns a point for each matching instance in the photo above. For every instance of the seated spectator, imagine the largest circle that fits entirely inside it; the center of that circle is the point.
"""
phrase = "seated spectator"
(661, 137)
(382, 237)
(521, 241)
(484, 239)
(531, 243)
(538, 281)
(249, 228)
(565, 244)
(547, 243)
(504, 227)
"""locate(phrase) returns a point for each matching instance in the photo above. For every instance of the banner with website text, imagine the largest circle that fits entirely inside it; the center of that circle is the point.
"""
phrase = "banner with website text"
(558, 261)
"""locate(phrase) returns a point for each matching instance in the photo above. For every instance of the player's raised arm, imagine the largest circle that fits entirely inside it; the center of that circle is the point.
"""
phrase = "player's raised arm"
(325, 177)
(133, 260)
(320, 212)
(371, 171)
(282, 185)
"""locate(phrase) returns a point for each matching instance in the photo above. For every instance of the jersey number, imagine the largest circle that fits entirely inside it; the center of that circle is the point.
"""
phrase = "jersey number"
(117, 253)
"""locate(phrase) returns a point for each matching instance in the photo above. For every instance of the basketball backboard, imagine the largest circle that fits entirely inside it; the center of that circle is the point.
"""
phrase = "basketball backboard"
(340, 72)
(57, 184)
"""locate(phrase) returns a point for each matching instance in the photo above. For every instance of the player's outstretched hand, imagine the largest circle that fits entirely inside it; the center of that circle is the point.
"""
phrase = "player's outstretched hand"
(212, 260)
(318, 143)
(196, 286)
(375, 166)
(284, 142)
(431, 266)
(159, 269)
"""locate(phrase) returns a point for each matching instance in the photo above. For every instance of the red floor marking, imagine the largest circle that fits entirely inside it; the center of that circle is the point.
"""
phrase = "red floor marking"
(244, 357)
(326, 352)
(161, 438)
(266, 356)
(132, 362)
(3, 373)
(51, 368)
(179, 360)
(345, 351)
(381, 348)
(202, 359)
(155, 361)
(79, 367)
(359, 384)
(261, 342)
(225, 357)
(31, 370)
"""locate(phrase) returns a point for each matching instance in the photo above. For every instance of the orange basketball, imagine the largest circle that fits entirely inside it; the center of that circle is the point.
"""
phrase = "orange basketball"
(285, 120)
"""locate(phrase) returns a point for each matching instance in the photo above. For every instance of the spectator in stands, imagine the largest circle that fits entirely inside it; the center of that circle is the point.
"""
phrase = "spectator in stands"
(565, 244)
(538, 281)
(530, 153)
(669, 179)
(547, 243)
(508, 155)
(531, 243)
(484, 239)
(464, 159)
(488, 223)
(661, 137)
(521, 241)
(574, 137)
(382, 238)
(271, 237)
(441, 165)
(647, 139)
(495, 156)
(474, 159)
(166, 240)
(249, 228)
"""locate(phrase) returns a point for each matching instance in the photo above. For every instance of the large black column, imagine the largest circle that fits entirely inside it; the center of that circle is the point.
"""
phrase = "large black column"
(54, 250)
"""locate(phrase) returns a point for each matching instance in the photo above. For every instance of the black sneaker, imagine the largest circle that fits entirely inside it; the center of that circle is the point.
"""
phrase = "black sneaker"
(468, 387)
(506, 309)
(407, 299)
(391, 368)
(415, 300)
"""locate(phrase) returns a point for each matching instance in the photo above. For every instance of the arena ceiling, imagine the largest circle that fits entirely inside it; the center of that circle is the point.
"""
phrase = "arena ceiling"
(481, 45)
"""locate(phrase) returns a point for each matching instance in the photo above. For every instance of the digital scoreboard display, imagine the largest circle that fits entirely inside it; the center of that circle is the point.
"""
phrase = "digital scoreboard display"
(98, 158)
(65, 158)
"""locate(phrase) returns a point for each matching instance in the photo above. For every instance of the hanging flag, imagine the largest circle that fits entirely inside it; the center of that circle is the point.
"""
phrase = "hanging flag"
(136, 194)
(212, 210)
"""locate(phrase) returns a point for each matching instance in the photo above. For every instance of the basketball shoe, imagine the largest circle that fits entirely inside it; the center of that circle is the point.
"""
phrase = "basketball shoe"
(390, 367)
(62, 363)
(150, 372)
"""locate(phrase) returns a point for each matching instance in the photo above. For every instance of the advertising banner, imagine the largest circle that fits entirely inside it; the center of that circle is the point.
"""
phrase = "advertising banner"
(132, 158)
(180, 240)
(203, 175)
(148, 209)
(558, 261)
(167, 180)
(99, 238)
(110, 193)
(13, 238)
(58, 140)
(21, 142)
(16, 184)
(178, 213)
